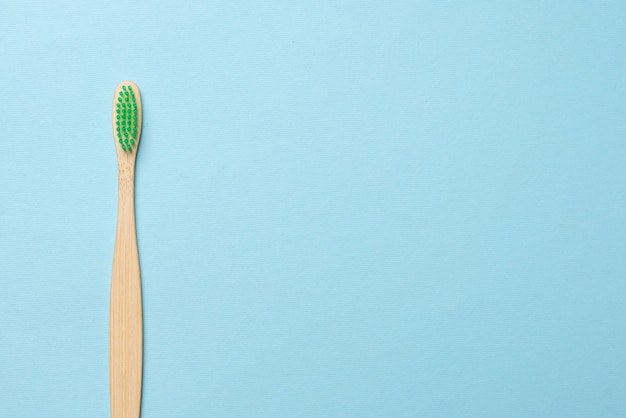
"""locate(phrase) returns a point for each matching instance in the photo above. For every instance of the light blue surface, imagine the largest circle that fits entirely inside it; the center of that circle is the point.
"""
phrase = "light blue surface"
(344, 209)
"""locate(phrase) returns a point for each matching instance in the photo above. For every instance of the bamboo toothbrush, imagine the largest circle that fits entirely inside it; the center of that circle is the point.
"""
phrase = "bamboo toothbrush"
(125, 323)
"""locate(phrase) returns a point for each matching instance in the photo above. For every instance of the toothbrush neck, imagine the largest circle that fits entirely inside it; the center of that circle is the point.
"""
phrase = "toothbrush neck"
(126, 173)
(126, 184)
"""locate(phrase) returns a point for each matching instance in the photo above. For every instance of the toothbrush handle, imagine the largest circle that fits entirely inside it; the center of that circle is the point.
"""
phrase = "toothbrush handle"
(125, 321)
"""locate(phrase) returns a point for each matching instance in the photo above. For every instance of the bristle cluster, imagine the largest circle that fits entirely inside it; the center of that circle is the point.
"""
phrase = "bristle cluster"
(126, 118)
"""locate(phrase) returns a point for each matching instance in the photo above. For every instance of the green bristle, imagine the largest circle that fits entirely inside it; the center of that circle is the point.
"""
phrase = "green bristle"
(126, 119)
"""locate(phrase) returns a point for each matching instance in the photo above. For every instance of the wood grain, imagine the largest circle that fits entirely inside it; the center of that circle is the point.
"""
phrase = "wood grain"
(125, 317)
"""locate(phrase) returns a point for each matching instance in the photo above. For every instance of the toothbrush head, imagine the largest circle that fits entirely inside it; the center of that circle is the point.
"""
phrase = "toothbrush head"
(127, 116)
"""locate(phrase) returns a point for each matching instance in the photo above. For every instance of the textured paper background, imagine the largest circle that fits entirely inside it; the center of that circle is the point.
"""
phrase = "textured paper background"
(344, 208)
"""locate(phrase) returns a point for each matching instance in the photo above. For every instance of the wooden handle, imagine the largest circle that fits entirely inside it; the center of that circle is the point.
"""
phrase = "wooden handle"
(125, 323)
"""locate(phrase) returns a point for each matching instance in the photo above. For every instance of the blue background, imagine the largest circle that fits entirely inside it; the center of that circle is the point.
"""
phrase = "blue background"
(344, 208)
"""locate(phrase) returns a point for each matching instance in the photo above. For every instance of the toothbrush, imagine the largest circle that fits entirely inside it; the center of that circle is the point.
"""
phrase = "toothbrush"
(125, 321)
